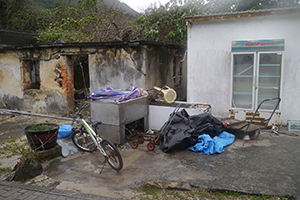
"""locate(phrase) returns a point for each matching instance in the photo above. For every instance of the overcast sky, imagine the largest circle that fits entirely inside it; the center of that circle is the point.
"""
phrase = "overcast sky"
(141, 5)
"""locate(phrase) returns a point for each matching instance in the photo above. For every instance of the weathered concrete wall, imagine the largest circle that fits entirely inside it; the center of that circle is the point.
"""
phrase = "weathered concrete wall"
(10, 70)
(58, 95)
(50, 98)
(119, 66)
(142, 66)
(163, 63)
(10, 81)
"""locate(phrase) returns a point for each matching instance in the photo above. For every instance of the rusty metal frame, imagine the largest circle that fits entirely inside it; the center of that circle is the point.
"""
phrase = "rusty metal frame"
(277, 98)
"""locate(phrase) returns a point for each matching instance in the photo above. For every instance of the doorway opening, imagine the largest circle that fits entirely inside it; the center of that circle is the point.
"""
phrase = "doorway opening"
(81, 77)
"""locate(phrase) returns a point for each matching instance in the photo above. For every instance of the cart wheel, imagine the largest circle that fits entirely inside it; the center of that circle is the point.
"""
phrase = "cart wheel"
(141, 140)
(150, 146)
(134, 144)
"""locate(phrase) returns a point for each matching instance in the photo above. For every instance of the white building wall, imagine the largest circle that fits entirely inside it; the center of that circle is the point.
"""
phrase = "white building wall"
(209, 59)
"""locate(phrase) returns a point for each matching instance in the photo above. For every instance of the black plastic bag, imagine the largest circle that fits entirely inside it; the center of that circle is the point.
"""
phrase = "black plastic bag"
(207, 124)
(182, 131)
(178, 134)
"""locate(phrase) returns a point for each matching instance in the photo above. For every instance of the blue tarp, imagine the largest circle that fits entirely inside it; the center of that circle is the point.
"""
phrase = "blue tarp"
(208, 145)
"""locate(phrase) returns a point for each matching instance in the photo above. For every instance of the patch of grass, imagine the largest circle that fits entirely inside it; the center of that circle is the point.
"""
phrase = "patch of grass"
(3, 120)
(32, 182)
(14, 139)
(15, 146)
(4, 132)
(236, 195)
(7, 169)
(199, 192)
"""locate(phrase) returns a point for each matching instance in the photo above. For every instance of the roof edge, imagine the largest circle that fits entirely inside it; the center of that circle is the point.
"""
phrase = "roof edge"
(88, 44)
(244, 14)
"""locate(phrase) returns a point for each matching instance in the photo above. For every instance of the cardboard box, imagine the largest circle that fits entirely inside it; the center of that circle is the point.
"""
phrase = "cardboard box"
(293, 125)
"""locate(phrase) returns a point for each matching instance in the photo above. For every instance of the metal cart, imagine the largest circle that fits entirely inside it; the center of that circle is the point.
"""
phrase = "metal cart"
(242, 128)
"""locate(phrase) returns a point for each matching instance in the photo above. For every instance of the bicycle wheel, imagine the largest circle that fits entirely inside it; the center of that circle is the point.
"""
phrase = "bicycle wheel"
(83, 141)
(113, 158)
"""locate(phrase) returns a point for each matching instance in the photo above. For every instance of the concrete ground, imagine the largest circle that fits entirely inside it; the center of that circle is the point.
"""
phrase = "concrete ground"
(268, 165)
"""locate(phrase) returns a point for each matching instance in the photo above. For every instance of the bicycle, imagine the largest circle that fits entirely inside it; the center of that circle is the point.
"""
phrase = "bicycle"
(86, 139)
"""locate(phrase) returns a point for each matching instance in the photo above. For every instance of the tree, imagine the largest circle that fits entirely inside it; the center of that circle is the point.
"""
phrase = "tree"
(7, 9)
(95, 20)
(165, 23)
(224, 6)
(30, 19)
(90, 21)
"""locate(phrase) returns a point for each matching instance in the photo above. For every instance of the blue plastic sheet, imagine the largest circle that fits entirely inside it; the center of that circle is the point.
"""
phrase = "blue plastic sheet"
(64, 131)
(208, 145)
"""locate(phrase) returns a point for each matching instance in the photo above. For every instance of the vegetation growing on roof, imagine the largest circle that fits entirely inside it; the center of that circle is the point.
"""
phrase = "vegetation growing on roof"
(107, 20)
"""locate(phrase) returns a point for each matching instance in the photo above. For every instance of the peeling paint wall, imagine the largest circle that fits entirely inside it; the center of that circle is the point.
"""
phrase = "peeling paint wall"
(119, 68)
(143, 66)
(116, 66)
(164, 63)
(50, 98)
(10, 70)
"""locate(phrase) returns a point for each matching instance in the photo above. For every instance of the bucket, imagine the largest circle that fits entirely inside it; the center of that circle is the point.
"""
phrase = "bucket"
(169, 94)
(42, 139)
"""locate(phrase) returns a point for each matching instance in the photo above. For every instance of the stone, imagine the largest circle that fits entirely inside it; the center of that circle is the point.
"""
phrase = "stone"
(27, 169)
(49, 154)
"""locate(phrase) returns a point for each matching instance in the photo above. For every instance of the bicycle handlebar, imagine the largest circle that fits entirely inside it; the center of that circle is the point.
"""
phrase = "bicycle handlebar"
(78, 112)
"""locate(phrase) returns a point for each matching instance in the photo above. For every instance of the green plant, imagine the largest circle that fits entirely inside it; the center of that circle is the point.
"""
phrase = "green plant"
(253, 198)
(8, 147)
(39, 127)
(18, 146)
(3, 120)
(15, 146)
(7, 169)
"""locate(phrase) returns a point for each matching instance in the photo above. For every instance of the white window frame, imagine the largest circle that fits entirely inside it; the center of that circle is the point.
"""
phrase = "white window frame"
(255, 79)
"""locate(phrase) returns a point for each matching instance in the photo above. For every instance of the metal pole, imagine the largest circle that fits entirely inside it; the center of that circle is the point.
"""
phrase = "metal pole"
(35, 114)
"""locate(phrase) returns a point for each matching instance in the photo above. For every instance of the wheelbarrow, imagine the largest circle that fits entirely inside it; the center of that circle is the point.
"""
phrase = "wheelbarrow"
(243, 128)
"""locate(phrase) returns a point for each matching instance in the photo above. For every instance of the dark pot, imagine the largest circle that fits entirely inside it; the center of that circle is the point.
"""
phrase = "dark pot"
(42, 140)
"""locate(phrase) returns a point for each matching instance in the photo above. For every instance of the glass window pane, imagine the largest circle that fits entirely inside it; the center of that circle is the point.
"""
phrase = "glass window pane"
(242, 80)
(269, 79)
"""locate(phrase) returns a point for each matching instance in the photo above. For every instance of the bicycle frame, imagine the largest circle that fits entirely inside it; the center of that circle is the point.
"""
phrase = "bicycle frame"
(87, 134)
(97, 140)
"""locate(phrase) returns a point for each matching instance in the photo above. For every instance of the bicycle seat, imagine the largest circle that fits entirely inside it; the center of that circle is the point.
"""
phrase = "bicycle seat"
(95, 124)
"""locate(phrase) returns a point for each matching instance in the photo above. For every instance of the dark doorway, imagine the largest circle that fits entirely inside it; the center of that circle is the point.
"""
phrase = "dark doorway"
(81, 76)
